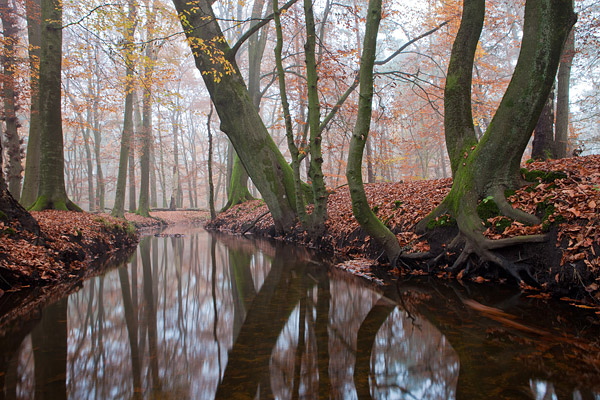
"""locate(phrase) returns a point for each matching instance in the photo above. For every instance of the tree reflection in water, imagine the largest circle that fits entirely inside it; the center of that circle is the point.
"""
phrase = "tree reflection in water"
(204, 317)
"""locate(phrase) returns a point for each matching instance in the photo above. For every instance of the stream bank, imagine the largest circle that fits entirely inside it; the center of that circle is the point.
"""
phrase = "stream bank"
(72, 243)
(564, 193)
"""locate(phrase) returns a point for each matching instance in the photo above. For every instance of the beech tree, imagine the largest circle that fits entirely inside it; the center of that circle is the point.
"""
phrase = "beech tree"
(52, 193)
(491, 165)
(10, 97)
(240, 120)
(149, 60)
(238, 184)
(360, 206)
(32, 160)
(119, 206)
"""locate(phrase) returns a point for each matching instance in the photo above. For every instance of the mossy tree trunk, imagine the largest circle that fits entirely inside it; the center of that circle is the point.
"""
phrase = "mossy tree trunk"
(10, 98)
(289, 132)
(360, 206)
(238, 185)
(458, 116)
(240, 120)
(119, 206)
(52, 193)
(491, 166)
(32, 160)
(315, 171)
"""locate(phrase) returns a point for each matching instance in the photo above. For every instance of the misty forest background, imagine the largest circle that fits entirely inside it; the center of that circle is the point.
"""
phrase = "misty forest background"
(406, 141)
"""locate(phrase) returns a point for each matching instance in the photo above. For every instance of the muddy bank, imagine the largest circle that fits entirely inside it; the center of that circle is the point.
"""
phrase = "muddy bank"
(566, 265)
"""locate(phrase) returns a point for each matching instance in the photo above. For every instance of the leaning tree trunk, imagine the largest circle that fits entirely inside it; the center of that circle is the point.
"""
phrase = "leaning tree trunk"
(360, 206)
(458, 115)
(491, 166)
(239, 119)
(52, 193)
(119, 206)
(32, 159)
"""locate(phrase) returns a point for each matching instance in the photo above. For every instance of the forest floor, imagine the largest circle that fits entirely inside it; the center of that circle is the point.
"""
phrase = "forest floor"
(567, 265)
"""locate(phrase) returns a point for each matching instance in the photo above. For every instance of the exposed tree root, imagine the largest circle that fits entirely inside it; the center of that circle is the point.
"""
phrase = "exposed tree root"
(470, 250)
(507, 209)
(476, 252)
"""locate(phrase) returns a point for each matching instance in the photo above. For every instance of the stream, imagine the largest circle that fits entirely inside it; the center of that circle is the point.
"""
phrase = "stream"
(195, 315)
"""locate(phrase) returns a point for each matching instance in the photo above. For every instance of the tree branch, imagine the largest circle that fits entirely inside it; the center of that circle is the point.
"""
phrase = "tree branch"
(231, 54)
(405, 45)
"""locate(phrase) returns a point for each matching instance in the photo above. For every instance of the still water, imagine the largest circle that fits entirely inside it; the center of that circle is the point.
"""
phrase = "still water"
(200, 316)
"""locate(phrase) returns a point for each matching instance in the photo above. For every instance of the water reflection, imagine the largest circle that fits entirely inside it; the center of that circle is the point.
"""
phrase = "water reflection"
(199, 317)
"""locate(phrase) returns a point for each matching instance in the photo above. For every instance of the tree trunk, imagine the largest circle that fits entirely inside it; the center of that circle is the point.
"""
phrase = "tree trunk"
(119, 206)
(153, 178)
(561, 138)
(370, 172)
(85, 133)
(135, 135)
(239, 119)
(360, 206)
(11, 210)
(88, 159)
(52, 193)
(238, 185)
(543, 138)
(492, 166)
(289, 133)
(177, 194)
(32, 161)
(315, 172)
(211, 189)
(162, 176)
(458, 116)
(14, 151)
(100, 188)
(146, 132)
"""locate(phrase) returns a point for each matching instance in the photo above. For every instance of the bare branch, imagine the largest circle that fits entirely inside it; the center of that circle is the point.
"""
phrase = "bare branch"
(405, 45)
(255, 29)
